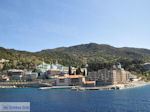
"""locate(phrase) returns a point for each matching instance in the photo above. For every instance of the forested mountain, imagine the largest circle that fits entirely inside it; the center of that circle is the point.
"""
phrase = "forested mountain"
(78, 55)
(98, 53)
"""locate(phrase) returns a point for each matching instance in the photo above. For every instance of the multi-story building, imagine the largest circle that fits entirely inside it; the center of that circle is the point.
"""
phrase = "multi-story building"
(52, 68)
(43, 67)
(115, 75)
(15, 74)
(29, 76)
(120, 76)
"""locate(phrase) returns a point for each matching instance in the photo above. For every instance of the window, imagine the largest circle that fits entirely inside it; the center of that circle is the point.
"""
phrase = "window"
(61, 80)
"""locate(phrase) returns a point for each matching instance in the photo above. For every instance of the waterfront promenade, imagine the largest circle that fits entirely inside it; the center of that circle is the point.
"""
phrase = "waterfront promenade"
(24, 84)
(109, 87)
(47, 85)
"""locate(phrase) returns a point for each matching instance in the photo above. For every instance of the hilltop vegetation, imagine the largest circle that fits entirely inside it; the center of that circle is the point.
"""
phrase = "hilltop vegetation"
(96, 55)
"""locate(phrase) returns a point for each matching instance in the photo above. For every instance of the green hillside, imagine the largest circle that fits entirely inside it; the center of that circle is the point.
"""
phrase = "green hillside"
(96, 55)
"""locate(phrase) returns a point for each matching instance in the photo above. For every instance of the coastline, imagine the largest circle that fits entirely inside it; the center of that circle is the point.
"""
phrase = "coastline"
(109, 87)
(80, 88)
(34, 84)
(136, 84)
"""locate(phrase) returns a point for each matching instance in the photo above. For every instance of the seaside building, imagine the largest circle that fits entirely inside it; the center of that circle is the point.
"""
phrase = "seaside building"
(120, 76)
(115, 75)
(43, 67)
(53, 69)
(30, 76)
(69, 80)
(15, 74)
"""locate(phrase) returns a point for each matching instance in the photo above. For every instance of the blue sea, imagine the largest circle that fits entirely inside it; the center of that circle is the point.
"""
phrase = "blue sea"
(66, 100)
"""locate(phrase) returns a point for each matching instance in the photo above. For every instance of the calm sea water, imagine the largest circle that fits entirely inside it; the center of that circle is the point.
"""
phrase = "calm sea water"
(65, 100)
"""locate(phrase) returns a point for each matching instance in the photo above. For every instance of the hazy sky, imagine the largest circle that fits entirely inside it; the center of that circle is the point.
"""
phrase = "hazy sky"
(40, 24)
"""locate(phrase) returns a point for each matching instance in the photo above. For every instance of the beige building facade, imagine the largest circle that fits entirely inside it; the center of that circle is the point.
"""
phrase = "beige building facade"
(112, 76)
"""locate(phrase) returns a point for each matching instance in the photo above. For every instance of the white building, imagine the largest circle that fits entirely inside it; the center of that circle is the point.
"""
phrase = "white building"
(43, 67)
(54, 69)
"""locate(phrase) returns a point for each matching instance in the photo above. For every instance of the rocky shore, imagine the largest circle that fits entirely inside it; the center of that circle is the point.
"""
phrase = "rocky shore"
(136, 84)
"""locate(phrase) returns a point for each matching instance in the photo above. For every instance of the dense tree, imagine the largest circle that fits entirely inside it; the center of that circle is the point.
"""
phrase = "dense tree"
(97, 56)
(70, 70)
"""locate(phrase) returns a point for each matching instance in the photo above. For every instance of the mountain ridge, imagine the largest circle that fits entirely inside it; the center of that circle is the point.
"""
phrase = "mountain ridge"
(77, 55)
